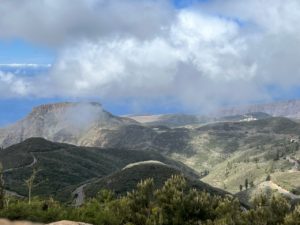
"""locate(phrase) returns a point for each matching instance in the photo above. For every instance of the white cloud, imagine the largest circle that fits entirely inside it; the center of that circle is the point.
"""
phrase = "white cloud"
(222, 51)
(273, 16)
(213, 45)
(57, 22)
(12, 86)
(130, 67)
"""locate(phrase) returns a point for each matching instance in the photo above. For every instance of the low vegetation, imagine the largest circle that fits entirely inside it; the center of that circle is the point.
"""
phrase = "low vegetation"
(175, 203)
(60, 168)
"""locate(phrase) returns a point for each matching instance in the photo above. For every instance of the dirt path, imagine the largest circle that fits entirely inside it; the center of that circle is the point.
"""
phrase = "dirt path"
(22, 167)
(12, 193)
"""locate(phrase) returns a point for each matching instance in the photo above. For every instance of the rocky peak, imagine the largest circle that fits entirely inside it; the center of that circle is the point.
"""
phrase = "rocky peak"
(61, 107)
(67, 122)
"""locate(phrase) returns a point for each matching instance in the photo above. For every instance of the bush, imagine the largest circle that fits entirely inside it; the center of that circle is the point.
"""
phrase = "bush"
(173, 204)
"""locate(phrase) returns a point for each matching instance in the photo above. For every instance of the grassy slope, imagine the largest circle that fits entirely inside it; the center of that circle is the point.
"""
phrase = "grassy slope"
(251, 148)
(260, 150)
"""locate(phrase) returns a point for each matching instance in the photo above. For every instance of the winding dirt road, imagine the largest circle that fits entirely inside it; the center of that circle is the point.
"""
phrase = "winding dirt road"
(22, 167)
(12, 193)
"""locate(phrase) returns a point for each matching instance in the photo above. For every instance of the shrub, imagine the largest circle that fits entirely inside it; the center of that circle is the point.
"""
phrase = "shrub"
(173, 204)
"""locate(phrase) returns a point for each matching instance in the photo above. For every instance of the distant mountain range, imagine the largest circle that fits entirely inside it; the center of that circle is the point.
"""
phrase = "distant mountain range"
(289, 109)
(181, 120)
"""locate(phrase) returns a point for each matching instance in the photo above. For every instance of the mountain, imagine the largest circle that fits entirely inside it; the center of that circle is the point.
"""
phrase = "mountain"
(61, 168)
(247, 146)
(62, 122)
(88, 124)
(289, 109)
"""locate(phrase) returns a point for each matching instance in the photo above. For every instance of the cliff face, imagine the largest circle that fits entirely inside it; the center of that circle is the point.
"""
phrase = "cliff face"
(289, 109)
(62, 122)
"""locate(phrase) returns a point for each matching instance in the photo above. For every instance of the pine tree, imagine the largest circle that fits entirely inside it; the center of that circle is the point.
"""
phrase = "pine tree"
(138, 202)
(171, 200)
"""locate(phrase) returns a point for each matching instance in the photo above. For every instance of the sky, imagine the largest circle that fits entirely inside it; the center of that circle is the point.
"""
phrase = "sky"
(147, 56)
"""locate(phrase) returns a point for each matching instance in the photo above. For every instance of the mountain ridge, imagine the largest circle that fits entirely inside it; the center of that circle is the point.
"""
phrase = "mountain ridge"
(62, 122)
(287, 108)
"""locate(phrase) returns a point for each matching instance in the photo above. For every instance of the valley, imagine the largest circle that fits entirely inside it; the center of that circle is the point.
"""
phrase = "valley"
(224, 153)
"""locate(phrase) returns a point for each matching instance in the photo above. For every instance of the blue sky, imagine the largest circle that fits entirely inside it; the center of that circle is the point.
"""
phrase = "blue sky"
(177, 56)
(21, 51)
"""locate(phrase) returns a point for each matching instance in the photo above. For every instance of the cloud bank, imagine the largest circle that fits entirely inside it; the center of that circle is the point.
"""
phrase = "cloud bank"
(205, 55)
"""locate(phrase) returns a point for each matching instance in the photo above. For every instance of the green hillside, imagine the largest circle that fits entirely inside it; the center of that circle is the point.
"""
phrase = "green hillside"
(62, 167)
(125, 180)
